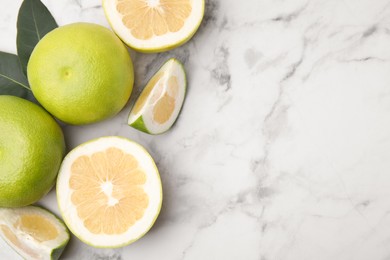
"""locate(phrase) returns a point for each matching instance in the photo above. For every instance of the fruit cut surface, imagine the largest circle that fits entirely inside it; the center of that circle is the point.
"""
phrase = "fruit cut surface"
(33, 232)
(154, 25)
(109, 191)
(159, 104)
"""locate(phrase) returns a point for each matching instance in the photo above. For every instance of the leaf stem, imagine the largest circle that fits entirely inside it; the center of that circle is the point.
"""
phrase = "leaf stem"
(20, 84)
(35, 22)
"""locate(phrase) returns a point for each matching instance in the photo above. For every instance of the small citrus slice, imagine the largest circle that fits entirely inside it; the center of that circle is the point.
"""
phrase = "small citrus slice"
(109, 192)
(159, 104)
(33, 232)
(154, 25)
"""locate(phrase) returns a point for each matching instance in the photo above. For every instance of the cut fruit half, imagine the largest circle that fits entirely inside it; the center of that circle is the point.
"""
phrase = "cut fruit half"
(109, 192)
(159, 104)
(154, 25)
(33, 232)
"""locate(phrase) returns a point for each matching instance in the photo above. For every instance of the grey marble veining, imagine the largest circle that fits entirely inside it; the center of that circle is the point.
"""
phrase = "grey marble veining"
(282, 149)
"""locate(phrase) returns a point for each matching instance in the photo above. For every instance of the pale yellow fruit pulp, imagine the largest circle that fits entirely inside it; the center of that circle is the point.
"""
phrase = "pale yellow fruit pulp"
(148, 18)
(154, 25)
(109, 191)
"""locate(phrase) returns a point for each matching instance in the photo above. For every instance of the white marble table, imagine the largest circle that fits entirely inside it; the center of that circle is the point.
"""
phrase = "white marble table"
(282, 150)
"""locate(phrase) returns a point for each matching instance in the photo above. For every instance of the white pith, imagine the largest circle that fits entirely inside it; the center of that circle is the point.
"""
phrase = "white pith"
(107, 190)
(171, 68)
(153, 3)
(156, 42)
(9, 216)
(152, 187)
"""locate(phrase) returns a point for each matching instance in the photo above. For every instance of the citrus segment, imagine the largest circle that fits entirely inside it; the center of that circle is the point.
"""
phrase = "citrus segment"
(33, 232)
(37, 226)
(146, 92)
(109, 191)
(154, 25)
(160, 102)
(14, 242)
(146, 18)
(165, 102)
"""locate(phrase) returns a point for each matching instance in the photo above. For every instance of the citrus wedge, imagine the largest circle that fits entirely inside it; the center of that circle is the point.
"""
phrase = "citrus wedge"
(109, 192)
(154, 25)
(33, 232)
(159, 104)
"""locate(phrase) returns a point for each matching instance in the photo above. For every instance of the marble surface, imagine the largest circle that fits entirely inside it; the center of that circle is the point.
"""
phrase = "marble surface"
(282, 150)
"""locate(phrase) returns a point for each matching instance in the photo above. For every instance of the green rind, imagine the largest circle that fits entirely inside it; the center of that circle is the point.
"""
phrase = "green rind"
(32, 147)
(81, 89)
(158, 211)
(57, 252)
(139, 124)
(164, 47)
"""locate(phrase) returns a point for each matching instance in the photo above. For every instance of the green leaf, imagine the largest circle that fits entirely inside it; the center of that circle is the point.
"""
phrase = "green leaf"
(12, 80)
(34, 22)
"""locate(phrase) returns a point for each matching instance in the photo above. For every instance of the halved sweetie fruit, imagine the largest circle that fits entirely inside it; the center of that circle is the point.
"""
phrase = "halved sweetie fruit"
(109, 192)
(33, 232)
(159, 104)
(154, 25)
